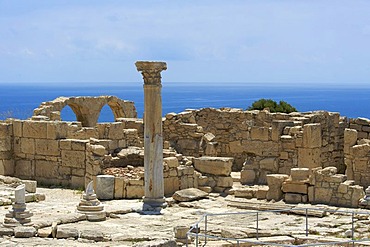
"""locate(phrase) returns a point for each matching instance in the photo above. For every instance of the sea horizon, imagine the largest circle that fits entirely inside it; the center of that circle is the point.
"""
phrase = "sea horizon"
(17, 100)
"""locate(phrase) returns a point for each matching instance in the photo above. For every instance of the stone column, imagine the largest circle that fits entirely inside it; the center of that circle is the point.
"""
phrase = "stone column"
(153, 139)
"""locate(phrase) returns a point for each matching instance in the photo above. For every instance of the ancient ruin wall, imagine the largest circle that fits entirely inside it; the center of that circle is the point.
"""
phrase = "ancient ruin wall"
(357, 151)
(259, 141)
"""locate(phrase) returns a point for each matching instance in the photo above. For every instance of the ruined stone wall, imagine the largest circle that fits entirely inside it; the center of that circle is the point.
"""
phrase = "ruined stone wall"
(259, 141)
(56, 152)
(6, 149)
(315, 186)
(357, 151)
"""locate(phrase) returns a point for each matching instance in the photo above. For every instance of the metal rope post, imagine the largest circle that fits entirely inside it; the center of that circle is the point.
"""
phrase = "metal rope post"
(257, 226)
(306, 222)
(196, 235)
(205, 229)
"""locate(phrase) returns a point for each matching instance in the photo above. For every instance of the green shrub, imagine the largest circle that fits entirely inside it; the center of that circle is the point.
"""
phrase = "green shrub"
(272, 105)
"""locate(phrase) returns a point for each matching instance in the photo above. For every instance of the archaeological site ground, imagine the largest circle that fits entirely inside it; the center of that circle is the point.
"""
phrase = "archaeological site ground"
(201, 177)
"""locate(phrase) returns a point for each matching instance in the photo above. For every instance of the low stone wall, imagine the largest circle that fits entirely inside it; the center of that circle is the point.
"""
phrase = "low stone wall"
(252, 137)
(357, 151)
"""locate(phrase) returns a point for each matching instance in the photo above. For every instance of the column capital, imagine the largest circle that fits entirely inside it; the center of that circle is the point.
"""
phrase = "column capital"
(151, 71)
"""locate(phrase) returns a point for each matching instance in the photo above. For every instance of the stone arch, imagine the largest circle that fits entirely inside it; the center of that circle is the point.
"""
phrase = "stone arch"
(87, 109)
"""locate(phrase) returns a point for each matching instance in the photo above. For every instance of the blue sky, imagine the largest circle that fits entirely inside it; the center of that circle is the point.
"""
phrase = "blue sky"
(292, 41)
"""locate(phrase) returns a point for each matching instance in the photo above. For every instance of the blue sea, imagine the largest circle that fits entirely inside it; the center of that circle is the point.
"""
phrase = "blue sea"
(19, 100)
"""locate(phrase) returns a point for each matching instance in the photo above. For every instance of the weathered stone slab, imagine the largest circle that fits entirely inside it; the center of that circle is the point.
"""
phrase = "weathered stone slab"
(24, 231)
(190, 194)
(44, 232)
(105, 187)
(294, 187)
(299, 174)
(67, 232)
(6, 231)
(214, 165)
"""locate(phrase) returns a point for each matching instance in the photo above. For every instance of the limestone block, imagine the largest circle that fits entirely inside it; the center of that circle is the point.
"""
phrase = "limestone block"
(17, 128)
(44, 232)
(30, 185)
(98, 150)
(171, 185)
(247, 177)
(27, 145)
(293, 198)
(246, 192)
(312, 137)
(6, 130)
(214, 165)
(119, 188)
(260, 133)
(79, 145)
(47, 147)
(337, 178)
(309, 158)
(206, 189)
(275, 182)
(24, 232)
(343, 188)
(357, 194)
(224, 181)
(134, 191)
(350, 137)
(284, 155)
(56, 130)
(77, 172)
(298, 174)
(311, 194)
(136, 181)
(172, 162)
(46, 169)
(5, 144)
(24, 168)
(262, 192)
(77, 182)
(329, 171)
(294, 187)
(188, 144)
(360, 150)
(105, 187)
(360, 164)
(208, 137)
(35, 129)
(269, 164)
(202, 181)
(323, 195)
(116, 131)
(362, 135)
(186, 182)
(189, 194)
(65, 144)
(236, 147)
(64, 232)
(7, 167)
(73, 158)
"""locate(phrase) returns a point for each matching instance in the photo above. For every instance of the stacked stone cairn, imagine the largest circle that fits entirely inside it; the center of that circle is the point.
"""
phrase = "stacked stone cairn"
(18, 215)
(90, 205)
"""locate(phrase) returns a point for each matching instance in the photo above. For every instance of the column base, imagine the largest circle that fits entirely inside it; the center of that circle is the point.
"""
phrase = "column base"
(154, 204)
